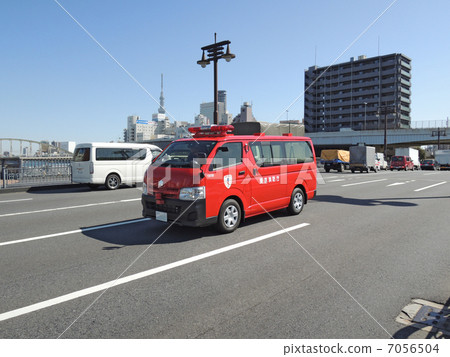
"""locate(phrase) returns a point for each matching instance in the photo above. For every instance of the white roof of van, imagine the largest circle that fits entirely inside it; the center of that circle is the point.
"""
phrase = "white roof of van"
(116, 145)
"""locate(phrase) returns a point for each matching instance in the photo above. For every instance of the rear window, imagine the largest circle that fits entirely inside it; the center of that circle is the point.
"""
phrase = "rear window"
(398, 158)
(82, 154)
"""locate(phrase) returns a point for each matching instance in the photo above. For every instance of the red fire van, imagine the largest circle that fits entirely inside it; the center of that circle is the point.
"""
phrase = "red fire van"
(219, 178)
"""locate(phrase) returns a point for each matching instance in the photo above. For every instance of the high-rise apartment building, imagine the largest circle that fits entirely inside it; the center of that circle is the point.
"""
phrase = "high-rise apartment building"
(348, 95)
(207, 109)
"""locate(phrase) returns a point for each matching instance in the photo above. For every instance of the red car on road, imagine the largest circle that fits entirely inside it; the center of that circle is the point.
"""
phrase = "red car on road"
(401, 163)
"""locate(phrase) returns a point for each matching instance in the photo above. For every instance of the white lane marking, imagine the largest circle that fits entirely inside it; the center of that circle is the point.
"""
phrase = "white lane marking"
(361, 183)
(396, 184)
(427, 187)
(81, 230)
(77, 294)
(19, 200)
(336, 180)
(69, 207)
(400, 183)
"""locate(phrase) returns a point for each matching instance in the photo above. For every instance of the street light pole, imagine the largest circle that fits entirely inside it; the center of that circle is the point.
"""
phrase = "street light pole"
(214, 53)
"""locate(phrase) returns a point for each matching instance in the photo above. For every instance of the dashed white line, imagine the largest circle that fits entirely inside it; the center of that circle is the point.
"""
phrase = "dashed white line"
(144, 274)
(336, 180)
(400, 183)
(427, 187)
(361, 183)
(19, 200)
(66, 208)
(81, 230)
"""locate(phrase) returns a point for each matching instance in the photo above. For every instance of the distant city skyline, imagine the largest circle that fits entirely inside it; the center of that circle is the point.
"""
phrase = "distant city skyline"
(74, 71)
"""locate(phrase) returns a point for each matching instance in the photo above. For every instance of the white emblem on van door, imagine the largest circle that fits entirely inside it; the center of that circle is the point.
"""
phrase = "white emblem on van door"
(227, 180)
(160, 183)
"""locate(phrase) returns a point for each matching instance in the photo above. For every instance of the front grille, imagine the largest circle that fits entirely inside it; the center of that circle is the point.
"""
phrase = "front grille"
(164, 207)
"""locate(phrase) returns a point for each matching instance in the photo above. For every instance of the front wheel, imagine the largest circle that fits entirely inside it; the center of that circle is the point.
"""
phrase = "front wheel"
(297, 201)
(112, 182)
(229, 216)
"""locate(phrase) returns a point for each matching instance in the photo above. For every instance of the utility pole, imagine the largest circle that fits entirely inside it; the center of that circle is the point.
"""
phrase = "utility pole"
(385, 110)
(439, 133)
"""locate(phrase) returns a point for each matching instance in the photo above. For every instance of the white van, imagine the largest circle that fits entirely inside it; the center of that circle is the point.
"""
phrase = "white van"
(112, 164)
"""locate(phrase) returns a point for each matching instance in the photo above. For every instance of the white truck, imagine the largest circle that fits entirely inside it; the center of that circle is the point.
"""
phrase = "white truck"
(413, 153)
(443, 158)
(380, 162)
(362, 158)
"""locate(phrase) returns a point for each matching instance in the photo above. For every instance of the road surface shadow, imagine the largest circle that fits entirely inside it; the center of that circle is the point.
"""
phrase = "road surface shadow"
(396, 202)
(144, 233)
(153, 232)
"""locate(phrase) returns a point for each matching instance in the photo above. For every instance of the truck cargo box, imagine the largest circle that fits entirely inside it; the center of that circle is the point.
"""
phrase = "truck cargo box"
(362, 158)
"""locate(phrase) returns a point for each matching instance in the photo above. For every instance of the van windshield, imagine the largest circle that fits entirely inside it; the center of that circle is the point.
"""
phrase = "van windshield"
(184, 153)
(397, 158)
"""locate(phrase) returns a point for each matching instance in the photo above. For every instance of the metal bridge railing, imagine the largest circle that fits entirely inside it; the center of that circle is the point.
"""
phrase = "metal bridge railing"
(430, 124)
(30, 176)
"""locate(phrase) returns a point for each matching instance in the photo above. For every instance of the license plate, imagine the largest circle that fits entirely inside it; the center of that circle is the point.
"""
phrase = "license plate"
(161, 216)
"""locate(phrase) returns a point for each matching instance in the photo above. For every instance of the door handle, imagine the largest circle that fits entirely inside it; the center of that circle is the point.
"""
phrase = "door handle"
(241, 173)
(255, 172)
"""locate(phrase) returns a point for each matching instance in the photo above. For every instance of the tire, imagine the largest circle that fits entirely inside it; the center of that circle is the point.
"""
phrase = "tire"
(229, 216)
(297, 201)
(112, 182)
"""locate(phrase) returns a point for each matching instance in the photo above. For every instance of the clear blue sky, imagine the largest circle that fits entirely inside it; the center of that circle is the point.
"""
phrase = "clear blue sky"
(58, 84)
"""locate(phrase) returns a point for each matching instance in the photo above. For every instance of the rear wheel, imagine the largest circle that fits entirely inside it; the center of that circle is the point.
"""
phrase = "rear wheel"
(112, 182)
(229, 216)
(297, 201)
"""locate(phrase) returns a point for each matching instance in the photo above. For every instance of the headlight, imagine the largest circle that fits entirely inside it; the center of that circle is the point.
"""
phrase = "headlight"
(192, 193)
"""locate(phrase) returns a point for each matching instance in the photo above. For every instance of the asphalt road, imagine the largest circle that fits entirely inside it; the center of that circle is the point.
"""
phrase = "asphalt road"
(77, 263)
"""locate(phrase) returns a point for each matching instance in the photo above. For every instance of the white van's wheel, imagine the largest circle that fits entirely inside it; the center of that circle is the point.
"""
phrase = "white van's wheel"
(297, 201)
(229, 216)
(112, 182)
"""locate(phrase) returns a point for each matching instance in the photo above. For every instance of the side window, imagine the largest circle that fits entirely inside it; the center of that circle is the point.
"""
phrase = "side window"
(135, 154)
(262, 153)
(229, 154)
(298, 152)
(278, 154)
(269, 153)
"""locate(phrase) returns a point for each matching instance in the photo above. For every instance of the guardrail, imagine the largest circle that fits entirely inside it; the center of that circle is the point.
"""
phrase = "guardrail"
(52, 173)
(430, 124)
